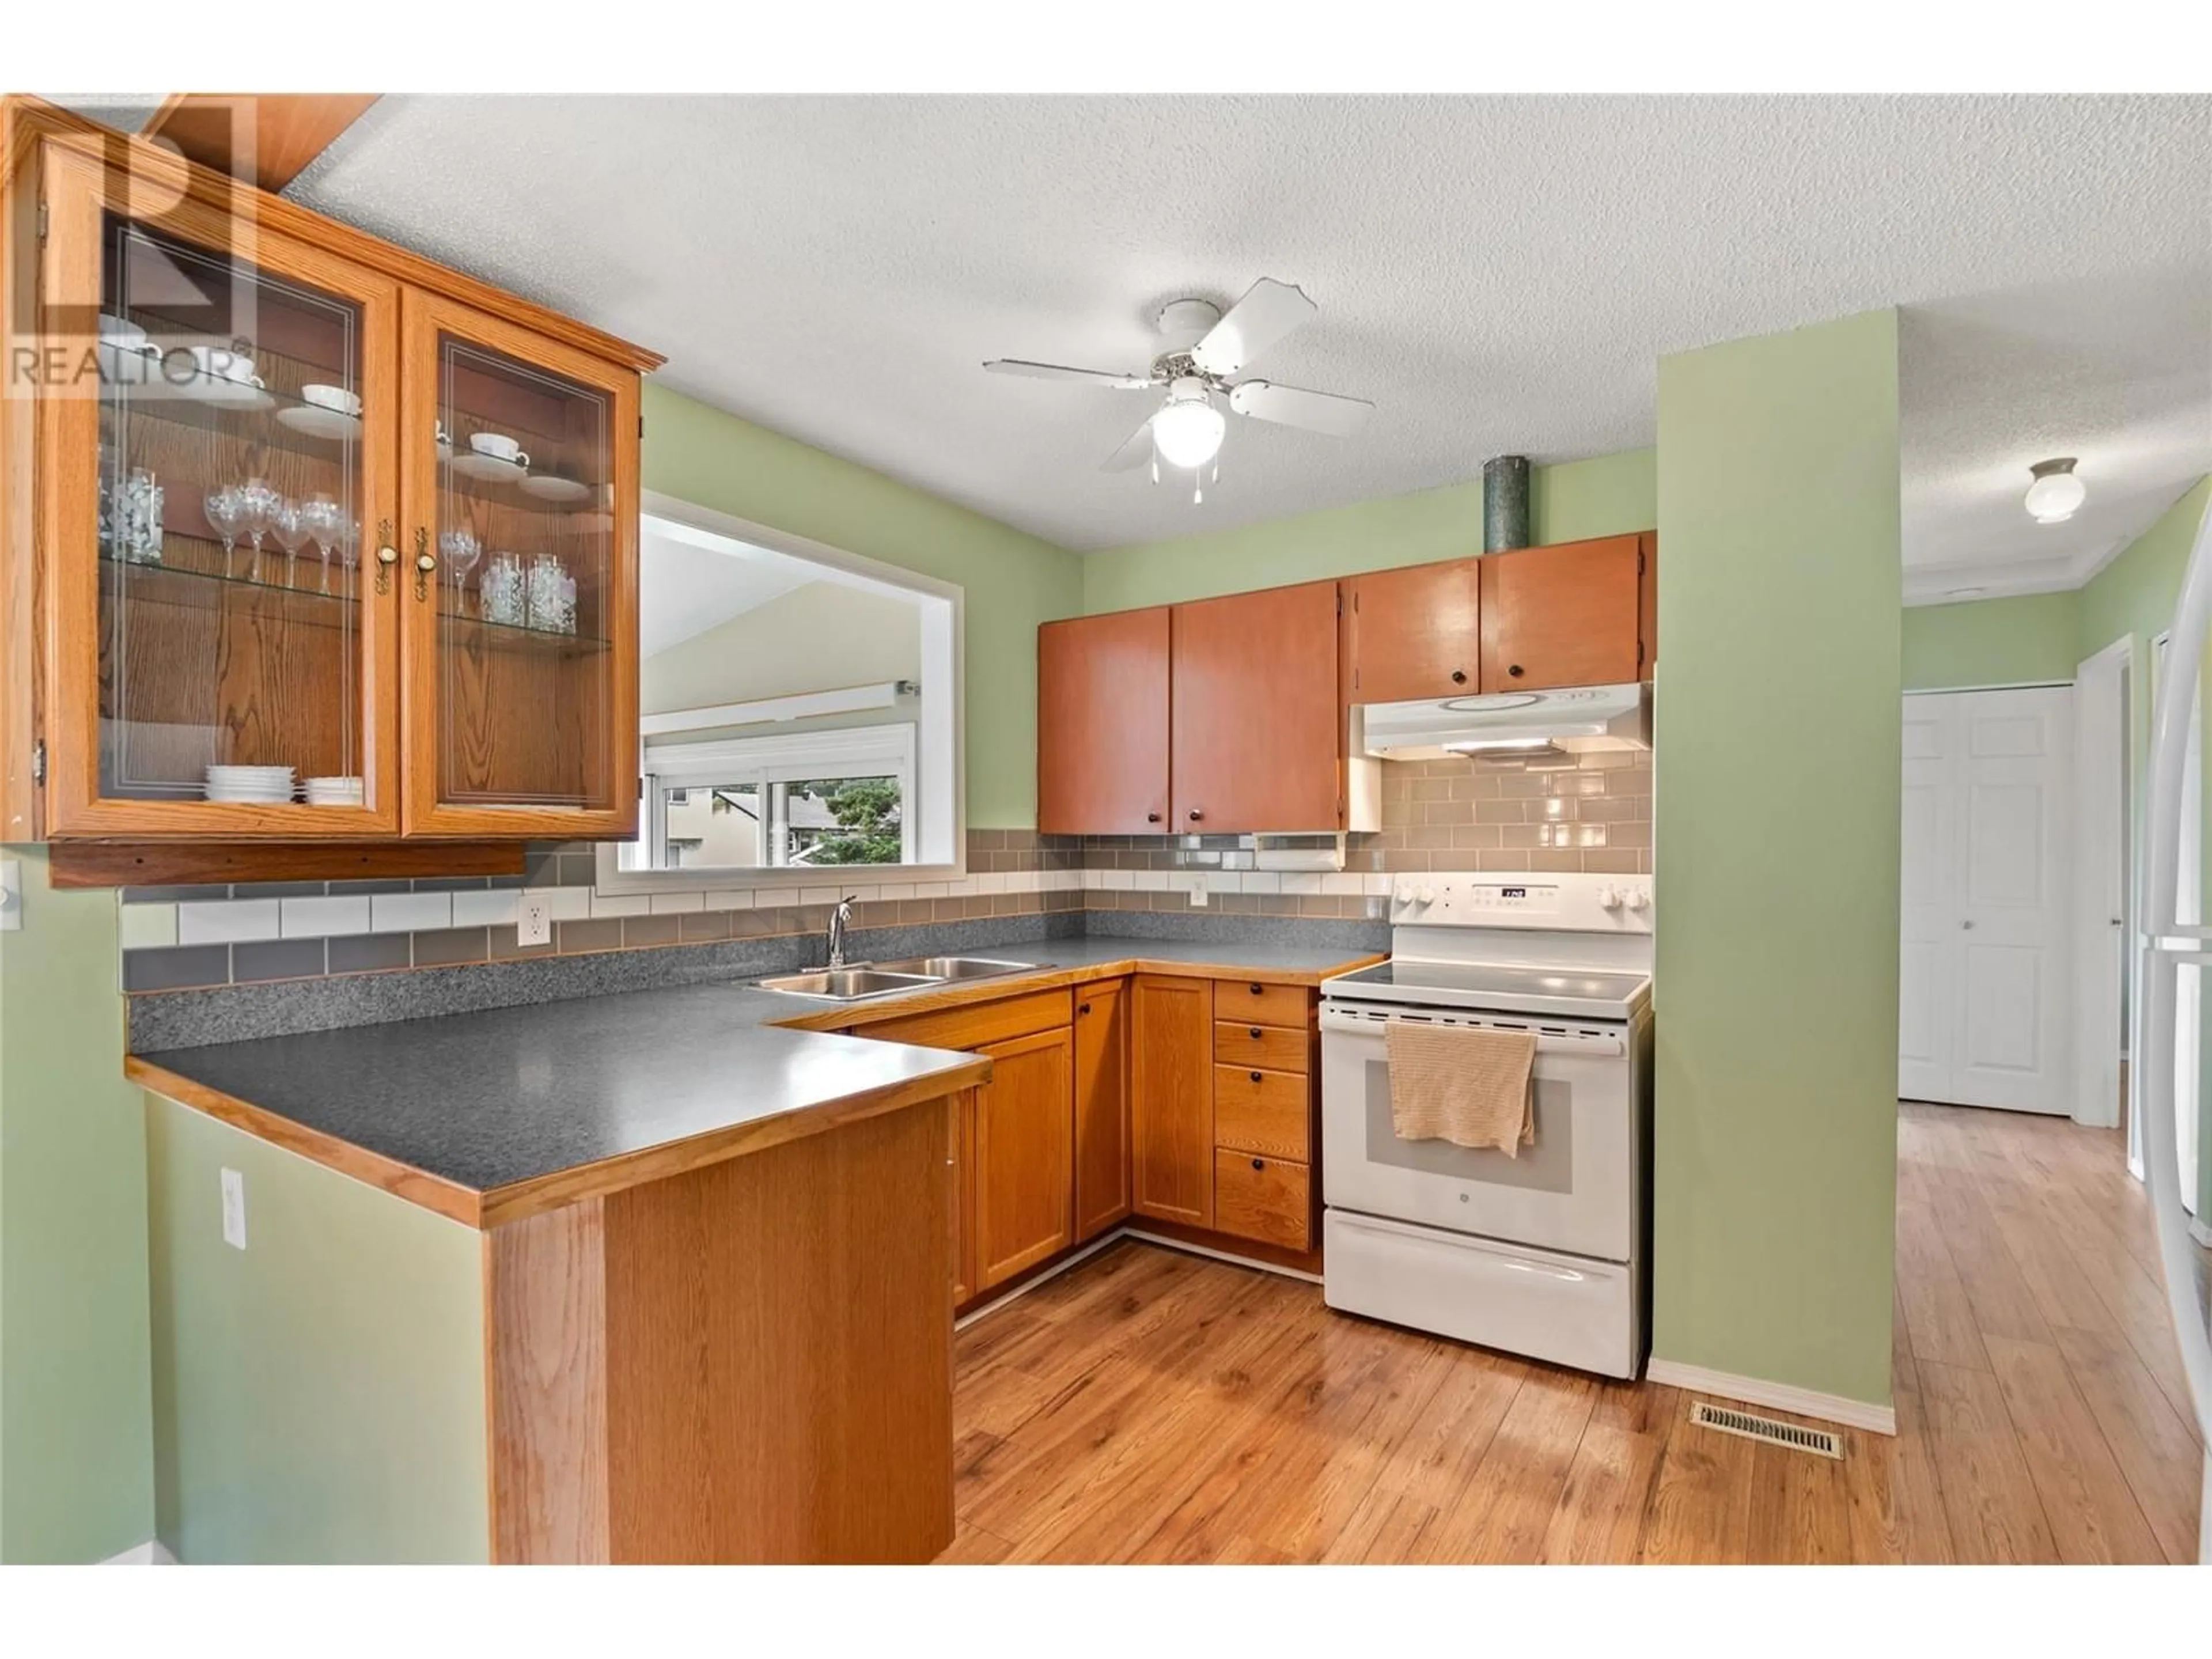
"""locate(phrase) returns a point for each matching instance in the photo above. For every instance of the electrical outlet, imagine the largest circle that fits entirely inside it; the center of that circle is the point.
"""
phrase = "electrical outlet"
(233, 1209)
(534, 920)
(1198, 891)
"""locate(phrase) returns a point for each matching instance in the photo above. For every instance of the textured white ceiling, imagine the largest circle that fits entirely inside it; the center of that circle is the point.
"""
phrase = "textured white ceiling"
(1497, 275)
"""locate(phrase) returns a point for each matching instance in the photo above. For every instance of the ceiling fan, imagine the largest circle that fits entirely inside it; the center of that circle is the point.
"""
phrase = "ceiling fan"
(1201, 349)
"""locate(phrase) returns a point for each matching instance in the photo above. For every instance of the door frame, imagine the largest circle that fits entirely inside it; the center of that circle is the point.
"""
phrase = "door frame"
(2104, 694)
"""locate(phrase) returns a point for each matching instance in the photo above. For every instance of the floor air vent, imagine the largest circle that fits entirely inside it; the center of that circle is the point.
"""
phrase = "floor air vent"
(1819, 1441)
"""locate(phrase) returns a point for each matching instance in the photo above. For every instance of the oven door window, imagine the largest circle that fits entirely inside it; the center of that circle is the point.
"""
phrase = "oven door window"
(1548, 1165)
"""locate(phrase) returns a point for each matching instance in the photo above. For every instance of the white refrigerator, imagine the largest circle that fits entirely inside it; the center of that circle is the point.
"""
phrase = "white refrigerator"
(2169, 945)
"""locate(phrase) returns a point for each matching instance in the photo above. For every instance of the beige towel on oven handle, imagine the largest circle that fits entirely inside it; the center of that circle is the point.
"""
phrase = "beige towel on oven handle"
(1464, 1083)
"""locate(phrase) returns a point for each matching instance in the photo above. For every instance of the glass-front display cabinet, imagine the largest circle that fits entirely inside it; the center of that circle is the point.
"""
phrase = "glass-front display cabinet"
(321, 550)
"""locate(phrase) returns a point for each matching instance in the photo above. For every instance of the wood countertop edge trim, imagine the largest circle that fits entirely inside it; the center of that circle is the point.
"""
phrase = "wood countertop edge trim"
(403, 1181)
(517, 1200)
(855, 1018)
(520, 1200)
(39, 118)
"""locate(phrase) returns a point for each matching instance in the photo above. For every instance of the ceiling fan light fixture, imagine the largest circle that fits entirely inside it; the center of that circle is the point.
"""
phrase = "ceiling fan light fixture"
(2056, 493)
(1187, 429)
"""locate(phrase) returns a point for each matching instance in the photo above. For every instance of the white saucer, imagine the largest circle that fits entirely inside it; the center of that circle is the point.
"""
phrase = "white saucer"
(548, 488)
(489, 467)
(222, 391)
(318, 422)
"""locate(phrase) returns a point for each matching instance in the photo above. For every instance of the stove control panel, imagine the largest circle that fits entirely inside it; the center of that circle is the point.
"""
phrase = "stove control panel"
(1573, 902)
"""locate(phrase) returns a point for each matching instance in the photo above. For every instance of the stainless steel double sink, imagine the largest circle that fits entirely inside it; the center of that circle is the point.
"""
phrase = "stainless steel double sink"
(883, 979)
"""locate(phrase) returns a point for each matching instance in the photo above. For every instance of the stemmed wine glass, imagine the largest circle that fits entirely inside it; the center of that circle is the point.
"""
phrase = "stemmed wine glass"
(288, 526)
(324, 521)
(262, 504)
(226, 515)
(461, 551)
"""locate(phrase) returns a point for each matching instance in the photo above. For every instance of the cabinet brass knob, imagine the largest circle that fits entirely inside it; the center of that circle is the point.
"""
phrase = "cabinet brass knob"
(425, 562)
(386, 555)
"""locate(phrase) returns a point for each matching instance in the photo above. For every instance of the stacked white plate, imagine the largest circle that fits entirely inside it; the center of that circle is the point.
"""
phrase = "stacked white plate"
(334, 792)
(249, 783)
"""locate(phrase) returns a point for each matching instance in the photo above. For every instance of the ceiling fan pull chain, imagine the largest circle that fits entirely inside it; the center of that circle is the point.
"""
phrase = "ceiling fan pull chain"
(1155, 461)
(1197, 490)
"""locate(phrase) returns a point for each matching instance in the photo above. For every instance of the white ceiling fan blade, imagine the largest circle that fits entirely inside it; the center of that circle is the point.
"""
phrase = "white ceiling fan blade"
(1057, 372)
(1135, 453)
(1255, 322)
(1286, 405)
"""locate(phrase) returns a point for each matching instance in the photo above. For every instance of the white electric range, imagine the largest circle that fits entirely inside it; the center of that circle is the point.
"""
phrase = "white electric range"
(1540, 1254)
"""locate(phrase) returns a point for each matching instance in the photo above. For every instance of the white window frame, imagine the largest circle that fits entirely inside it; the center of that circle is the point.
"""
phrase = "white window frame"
(857, 751)
(941, 737)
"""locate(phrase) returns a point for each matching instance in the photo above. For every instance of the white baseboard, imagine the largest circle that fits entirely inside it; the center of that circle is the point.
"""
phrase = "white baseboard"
(1029, 1284)
(1115, 1237)
(1826, 1407)
(152, 1554)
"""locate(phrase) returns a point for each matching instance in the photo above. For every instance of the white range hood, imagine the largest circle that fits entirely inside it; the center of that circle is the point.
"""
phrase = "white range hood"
(1585, 718)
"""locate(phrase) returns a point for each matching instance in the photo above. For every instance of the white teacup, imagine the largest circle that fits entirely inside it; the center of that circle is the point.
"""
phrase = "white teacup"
(121, 333)
(336, 399)
(498, 446)
(222, 363)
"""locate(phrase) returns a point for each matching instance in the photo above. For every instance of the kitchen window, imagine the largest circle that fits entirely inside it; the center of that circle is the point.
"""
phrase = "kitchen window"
(808, 801)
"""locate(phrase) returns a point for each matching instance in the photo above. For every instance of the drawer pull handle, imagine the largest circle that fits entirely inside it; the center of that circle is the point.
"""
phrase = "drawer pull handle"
(1255, 1077)
(1084, 1009)
(1255, 1033)
(1256, 990)
(1259, 1163)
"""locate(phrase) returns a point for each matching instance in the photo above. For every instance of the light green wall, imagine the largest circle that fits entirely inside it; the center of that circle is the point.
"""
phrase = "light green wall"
(1777, 886)
(2029, 639)
(320, 1396)
(1603, 496)
(2133, 599)
(1013, 581)
(76, 1429)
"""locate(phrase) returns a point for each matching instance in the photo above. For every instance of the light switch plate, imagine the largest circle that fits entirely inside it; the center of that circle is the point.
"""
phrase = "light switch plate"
(11, 895)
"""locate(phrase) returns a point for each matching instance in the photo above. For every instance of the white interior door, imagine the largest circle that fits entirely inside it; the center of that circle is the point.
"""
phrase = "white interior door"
(1984, 930)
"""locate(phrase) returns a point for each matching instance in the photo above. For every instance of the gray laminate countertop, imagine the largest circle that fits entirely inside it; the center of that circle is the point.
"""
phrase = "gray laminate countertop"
(488, 1115)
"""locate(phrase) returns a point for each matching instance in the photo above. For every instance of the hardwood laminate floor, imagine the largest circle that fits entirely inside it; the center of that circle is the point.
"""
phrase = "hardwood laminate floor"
(1151, 1405)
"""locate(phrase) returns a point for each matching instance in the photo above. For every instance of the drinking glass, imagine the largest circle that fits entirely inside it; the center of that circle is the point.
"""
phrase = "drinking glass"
(502, 595)
(324, 521)
(461, 551)
(226, 516)
(138, 518)
(262, 503)
(291, 530)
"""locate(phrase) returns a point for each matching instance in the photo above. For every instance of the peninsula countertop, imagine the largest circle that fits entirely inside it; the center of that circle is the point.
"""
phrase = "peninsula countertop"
(490, 1116)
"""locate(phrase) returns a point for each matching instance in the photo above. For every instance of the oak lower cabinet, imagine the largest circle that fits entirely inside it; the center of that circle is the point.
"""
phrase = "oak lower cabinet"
(1171, 1098)
(1569, 615)
(961, 1155)
(1264, 1113)
(1024, 1155)
(1103, 698)
(1101, 1107)
(279, 517)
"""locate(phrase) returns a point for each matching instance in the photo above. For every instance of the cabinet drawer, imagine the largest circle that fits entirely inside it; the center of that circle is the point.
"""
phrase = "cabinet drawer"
(1264, 1198)
(1271, 1047)
(1262, 1111)
(978, 1023)
(1259, 1003)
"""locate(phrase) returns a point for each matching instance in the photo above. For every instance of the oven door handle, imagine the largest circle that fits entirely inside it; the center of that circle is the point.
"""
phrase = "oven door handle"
(1582, 1048)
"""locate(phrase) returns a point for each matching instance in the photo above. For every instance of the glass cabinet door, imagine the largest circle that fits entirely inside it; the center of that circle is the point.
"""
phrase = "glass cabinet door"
(520, 614)
(218, 487)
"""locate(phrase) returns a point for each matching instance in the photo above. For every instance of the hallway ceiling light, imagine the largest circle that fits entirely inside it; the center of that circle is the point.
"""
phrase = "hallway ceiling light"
(2055, 492)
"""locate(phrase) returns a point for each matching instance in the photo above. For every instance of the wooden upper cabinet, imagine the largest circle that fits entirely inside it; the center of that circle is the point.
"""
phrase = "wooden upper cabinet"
(1102, 1106)
(1025, 1128)
(202, 522)
(261, 516)
(1103, 723)
(1171, 1098)
(1256, 737)
(520, 576)
(1564, 616)
(1413, 635)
